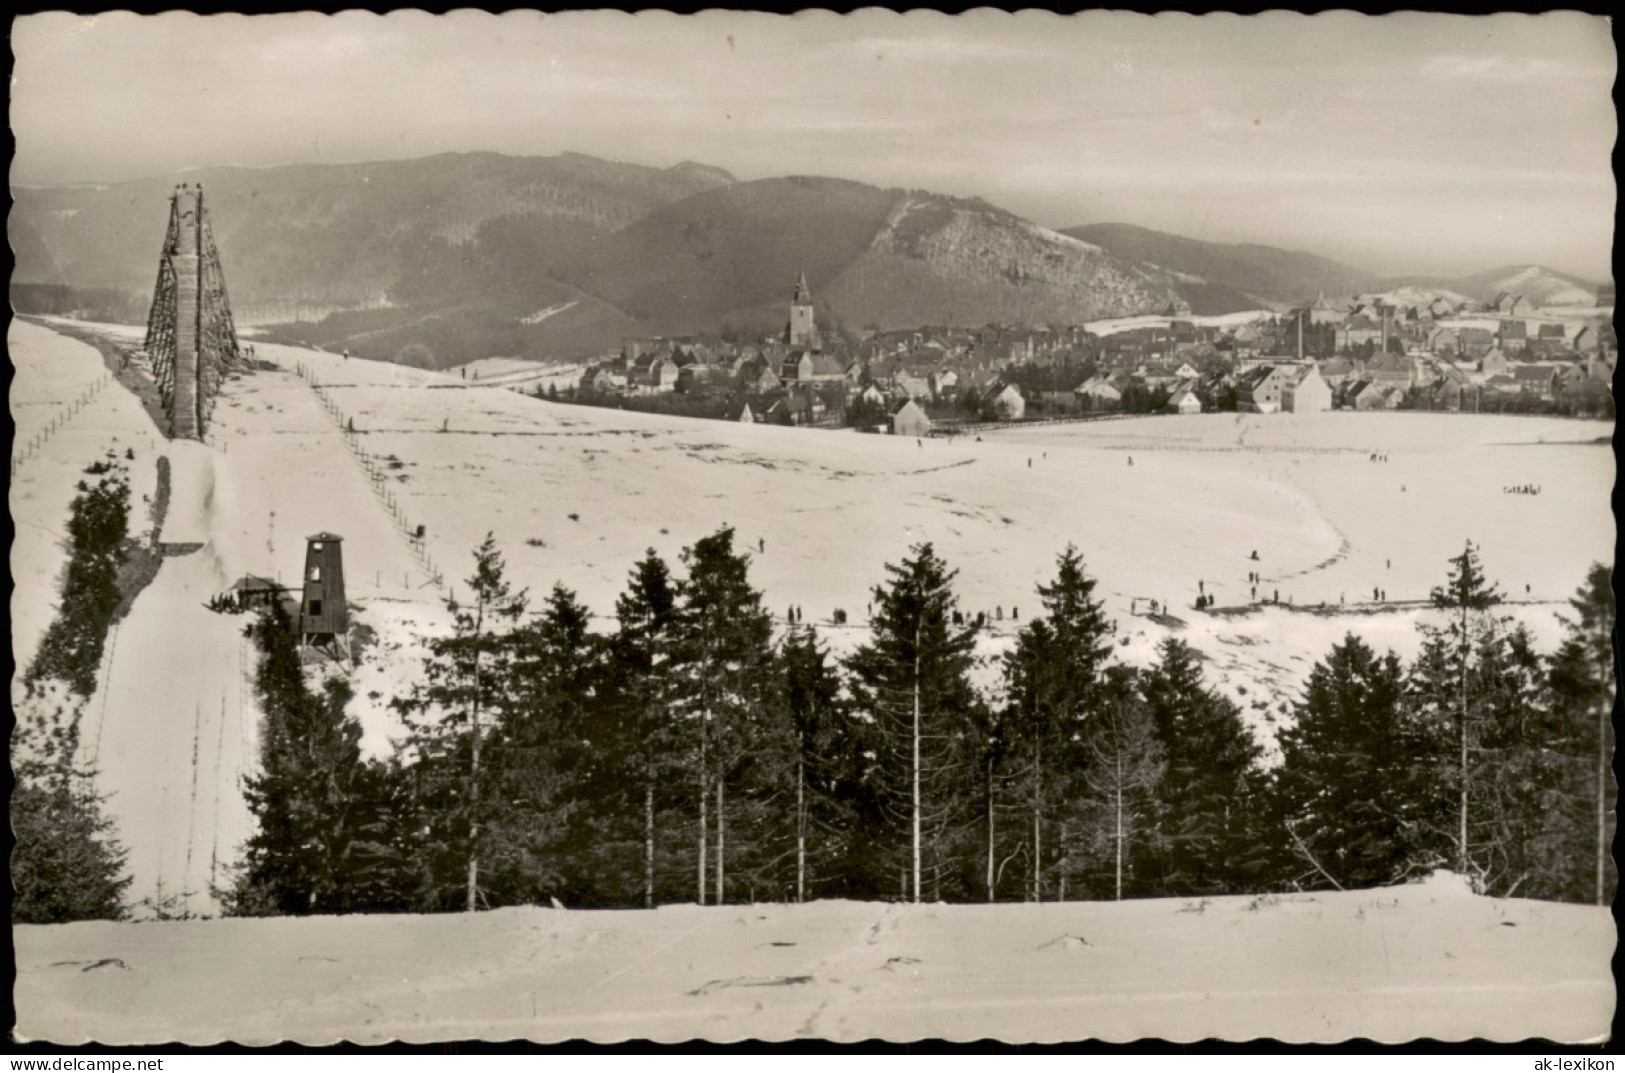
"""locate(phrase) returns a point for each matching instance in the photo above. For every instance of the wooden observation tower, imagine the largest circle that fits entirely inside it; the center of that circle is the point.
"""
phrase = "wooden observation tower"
(190, 335)
(324, 614)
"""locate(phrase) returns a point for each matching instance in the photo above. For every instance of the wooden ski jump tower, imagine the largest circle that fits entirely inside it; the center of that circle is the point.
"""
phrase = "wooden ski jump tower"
(324, 615)
(190, 335)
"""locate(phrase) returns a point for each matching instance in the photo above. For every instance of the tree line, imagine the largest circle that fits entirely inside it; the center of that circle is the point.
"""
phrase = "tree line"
(691, 755)
(67, 864)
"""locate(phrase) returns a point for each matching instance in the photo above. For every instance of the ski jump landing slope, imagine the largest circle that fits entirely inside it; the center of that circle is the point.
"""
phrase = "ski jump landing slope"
(182, 720)
(173, 727)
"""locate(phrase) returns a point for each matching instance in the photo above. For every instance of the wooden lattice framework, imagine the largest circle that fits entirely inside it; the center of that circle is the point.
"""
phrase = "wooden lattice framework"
(191, 338)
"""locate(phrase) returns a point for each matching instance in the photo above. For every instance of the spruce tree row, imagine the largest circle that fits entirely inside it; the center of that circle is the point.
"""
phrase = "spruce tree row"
(690, 755)
(67, 864)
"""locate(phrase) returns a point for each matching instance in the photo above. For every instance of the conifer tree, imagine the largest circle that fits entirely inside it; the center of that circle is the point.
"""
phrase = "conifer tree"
(1467, 596)
(722, 656)
(811, 697)
(1053, 680)
(1517, 771)
(1582, 681)
(98, 525)
(1208, 792)
(1125, 767)
(912, 679)
(1355, 799)
(543, 756)
(448, 715)
(305, 795)
(639, 735)
(989, 751)
(66, 864)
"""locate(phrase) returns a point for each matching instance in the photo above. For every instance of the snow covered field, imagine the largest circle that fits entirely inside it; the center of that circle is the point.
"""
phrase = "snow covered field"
(575, 495)
(1390, 965)
(1113, 325)
(519, 374)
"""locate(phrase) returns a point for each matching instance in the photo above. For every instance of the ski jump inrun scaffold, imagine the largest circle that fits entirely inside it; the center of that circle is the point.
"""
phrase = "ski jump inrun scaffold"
(191, 339)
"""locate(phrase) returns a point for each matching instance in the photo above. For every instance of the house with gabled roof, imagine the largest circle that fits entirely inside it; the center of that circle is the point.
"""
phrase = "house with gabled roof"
(1306, 392)
(824, 368)
(1258, 390)
(910, 420)
(1392, 369)
(1370, 395)
(1356, 331)
(1443, 341)
(757, 378)
(660, 375)
(913, 387)
(1475, 342)
(697, 378)
(1007, 401)
(1493, 363)
(1539, 380)
(608, 380)
(1097, 393)
(1184, 400)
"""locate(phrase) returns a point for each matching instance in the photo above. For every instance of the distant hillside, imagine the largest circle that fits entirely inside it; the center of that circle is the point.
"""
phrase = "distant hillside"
(885, 258)
(941, 260)
(1274, 276)
(304, 238)
(1538, 284)
(732, 250)
(451, 258)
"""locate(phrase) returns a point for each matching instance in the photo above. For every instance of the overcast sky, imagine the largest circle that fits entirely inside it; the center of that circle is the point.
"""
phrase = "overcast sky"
(1407, 143)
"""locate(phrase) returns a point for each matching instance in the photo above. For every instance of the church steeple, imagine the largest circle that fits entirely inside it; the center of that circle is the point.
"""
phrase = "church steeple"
(802, 332)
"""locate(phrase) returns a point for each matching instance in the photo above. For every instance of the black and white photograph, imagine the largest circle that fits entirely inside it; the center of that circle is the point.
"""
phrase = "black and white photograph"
(605, 526)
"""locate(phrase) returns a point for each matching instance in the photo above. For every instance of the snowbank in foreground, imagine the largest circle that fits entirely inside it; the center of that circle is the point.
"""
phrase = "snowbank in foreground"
(1393, 964)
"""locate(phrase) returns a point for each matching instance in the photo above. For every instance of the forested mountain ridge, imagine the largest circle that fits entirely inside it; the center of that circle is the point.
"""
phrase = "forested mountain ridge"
(1266, 273)
(459, 256)
(304, 237)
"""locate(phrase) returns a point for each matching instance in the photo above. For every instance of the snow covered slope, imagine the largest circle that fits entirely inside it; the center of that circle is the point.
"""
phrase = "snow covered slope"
(1390, 965)
(50, 372)
(575, 495)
